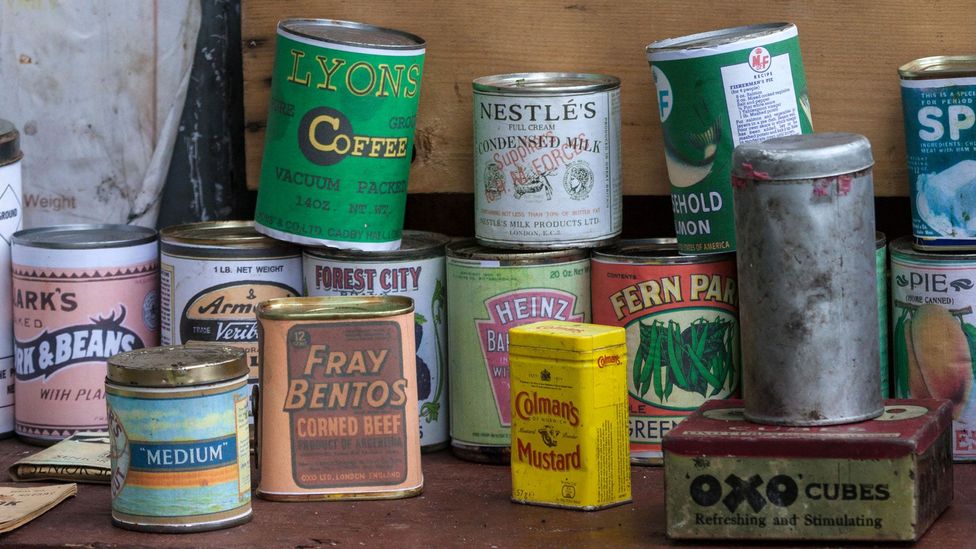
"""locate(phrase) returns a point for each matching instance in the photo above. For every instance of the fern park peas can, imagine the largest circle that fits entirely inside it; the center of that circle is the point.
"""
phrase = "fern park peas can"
(681, 317)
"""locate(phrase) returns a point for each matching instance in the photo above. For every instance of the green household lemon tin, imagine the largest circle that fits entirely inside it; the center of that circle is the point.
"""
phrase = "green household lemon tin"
(716, 90)
(340, 134)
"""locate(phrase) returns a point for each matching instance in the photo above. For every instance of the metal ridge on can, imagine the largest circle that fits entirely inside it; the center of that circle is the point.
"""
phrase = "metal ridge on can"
(334, 308)
(84, 236)
(351, 33)
(808, 156)
(906, 246)
(651, 251)
(237, 235)
(177, 366)
(413, 245)
(470, 249)
(544, 83)
(704, 41)
(939, 66)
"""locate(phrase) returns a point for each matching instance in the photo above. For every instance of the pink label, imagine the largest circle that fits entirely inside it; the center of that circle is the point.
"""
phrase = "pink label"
(506, 311)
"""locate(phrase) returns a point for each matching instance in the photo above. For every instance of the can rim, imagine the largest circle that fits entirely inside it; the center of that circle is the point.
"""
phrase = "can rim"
(938, 66)
(334, 307)
(59, 237)
(545, 83)
(9, 143)
(802, 157)
(413, 245)
(234, 234)
(654, 251)
(905, 246)
(715, 39)
(879, 239)
(469, 249)
(176, 366)
(415, 42)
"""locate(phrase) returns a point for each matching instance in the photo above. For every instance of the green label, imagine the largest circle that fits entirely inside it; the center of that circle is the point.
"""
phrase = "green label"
(338, 145)
(710, 104)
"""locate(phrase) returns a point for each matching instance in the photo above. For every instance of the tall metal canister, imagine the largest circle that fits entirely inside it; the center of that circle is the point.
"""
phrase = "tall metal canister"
(804, 216)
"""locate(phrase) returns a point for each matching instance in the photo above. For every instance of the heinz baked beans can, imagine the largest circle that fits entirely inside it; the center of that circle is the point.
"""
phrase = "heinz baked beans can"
(338, 409)
(681, 315)
(82, 294)
(495, 290)
(547, 160)
(10, 221)
(340, 134)
(178, 428)
(416, 270)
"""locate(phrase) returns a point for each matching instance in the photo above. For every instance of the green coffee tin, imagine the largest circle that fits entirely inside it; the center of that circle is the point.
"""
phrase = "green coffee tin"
(340, 134)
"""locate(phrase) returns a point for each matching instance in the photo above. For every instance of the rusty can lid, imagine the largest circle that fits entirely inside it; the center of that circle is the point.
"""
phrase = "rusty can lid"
(350, 33)
(806, 156)
(334, 307)
(413, 245)
(545, 83)
(939, 66)
(177, 366)
(9, 143)
(213, 238)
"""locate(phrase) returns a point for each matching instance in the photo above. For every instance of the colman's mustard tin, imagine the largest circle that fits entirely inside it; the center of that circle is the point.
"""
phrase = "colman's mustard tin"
(569, 415)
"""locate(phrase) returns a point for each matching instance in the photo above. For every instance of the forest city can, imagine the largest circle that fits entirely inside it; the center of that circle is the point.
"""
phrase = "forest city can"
(547, 159)
(340, 134)
(804, 216)
(10, 221)
(716, 90)
(338, 410)
(82, 293)
(933, 299)
(681, 317)
(881, 264)
(497, 290)
(938, 95)
(416, 271)
(178, 428)
(569, 415)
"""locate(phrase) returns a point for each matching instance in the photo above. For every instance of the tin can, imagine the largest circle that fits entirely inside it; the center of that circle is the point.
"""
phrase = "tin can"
(416, 271)
(681, 315)
(881, 265)
(10, 221)
(547, 160)
(82, 293)
(569, 426)
(498, 290)
(937, 98)
(337, 413)
(716, 90)
(340, 134)
(933, 299)
(804, 216)
(174, 471)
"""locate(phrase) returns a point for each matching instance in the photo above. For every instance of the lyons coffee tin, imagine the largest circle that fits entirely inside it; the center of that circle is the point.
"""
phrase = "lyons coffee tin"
(682, 323)
(82, 294)
(496, 290)
(937, 97)
(10, 221)
(804, 216)
(569, 421)
(174, 471)
(416, 271)
(716, 90)
(338, 410)
(547, 160)
(213, 274)
(881, 264)
(339, 142)
(933, 298)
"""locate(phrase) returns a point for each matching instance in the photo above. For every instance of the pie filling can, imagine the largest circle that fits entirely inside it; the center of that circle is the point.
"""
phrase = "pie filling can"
(81, 293)
(416, 271)
(681, 315)
(10, 221)
(174, 471)
(716, 90)
(340, 134)
(547, 160)
(937, 95)
(496, 290)
(338, 407)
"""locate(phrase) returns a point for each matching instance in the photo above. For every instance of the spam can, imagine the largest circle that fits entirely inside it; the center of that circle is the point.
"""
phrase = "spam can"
(496, 290)
(416, 271)
(933, 299)
(340, 134)
(569, 415)
(173, 470)
(937, 97)
(716, 90)
(338, 412)
(10, 214)
(81, 294)
(547, 160)
(680, 313)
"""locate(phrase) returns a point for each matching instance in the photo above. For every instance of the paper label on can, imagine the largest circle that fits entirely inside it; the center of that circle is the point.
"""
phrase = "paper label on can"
(339, 143)
(708, 105)
(10, 222)
(940, 115)
(934, 338)
(547, 169)
(682, 339)
(423, 281)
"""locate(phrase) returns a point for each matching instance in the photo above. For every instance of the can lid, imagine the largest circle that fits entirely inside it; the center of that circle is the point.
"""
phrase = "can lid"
(334, 307)
(413, 245)
(84, 236)
(545, 83)
(939, 66)
(721, 37)
(470, 249)
(561, 335)
(653, 251)
(802, 156)
(351, 33)
(224, 234)
(9, 143)
(177, 365)
(879, 239)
